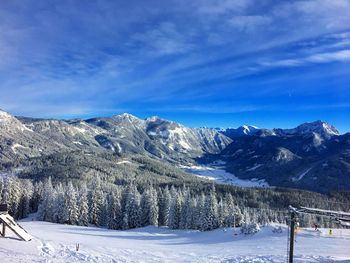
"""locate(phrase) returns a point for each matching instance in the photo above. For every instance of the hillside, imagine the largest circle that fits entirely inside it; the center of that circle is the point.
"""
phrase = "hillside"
(313, 156)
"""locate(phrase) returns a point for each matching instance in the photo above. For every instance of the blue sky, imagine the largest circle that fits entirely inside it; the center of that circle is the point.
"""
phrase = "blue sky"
(201, 62)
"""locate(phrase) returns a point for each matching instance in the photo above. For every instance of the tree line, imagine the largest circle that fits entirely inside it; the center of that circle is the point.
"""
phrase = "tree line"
(129, 205)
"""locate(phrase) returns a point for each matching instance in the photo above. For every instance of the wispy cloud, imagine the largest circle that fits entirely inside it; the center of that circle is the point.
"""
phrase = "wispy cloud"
(110, 55)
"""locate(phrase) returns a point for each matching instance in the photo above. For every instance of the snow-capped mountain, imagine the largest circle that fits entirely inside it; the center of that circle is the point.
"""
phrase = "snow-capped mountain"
(122, 134)
(323, 129)
(312, 156)
(244, 130)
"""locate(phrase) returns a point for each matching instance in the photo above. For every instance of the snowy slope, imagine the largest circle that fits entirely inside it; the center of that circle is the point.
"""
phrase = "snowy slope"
(57, 243)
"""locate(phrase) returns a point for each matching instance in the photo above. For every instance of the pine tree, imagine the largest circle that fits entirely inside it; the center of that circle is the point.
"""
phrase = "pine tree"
(186, 212)
(45, 210)
(164, 207)
(96, 204)
(210, 217)
(59, 214)
(132, 207)
(175, 210)
(113, 212)
(24, 206)
(199, 212)
(71, 211)
(83, 208)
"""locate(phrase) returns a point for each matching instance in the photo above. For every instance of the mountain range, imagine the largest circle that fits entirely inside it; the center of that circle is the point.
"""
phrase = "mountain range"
(312, 156)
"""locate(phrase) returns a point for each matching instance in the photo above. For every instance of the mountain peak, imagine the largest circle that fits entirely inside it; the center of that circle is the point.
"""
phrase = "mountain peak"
(126, 116)
(244, 130)
(319, 127)
(4, 116)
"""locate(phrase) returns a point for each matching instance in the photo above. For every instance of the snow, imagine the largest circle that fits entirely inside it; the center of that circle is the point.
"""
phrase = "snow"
(179, 134)
(300, 176)
(76, 142)
(123, 162)
(221, 176)
(254, 167)
(26, 128)
(4, 116)
(16, 145)
(79, 129)
(57, 243)
(119, 148)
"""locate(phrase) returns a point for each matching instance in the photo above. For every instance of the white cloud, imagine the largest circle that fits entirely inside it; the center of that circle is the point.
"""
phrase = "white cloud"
(343, 55)
(219, 7)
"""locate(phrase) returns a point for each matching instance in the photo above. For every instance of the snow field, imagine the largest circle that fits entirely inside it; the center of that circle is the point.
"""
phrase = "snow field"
(57, 243)
(221, 176)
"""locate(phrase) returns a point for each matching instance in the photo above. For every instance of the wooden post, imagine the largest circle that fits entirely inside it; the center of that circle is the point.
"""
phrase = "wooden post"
(3, 229)
(291, 238)
(234, 224)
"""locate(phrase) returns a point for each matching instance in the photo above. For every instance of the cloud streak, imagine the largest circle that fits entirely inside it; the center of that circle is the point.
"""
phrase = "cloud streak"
(179, 56)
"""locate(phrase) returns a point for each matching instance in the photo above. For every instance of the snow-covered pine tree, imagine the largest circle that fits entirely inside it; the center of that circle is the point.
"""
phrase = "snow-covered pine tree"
(14, 195)
(83, 207)
(186, 212)
(132, 207)
(210, 217)
(222, 213)
(114, 211)
(59, 214)
(199, 211)
(145, 207)
(175, 209)
(24, 206)
(164, 207)
(45, 209)
(71, 208)
(154, 208)
(96, 204)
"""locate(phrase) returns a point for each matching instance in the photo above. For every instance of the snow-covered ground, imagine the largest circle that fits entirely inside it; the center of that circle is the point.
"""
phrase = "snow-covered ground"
(57, 243)
(218, 174)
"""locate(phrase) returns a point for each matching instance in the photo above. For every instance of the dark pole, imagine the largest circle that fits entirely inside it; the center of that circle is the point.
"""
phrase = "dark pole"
(3, 229)
(291, 238)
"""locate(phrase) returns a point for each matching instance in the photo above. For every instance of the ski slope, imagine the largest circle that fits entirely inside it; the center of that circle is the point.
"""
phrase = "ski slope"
(57, 243)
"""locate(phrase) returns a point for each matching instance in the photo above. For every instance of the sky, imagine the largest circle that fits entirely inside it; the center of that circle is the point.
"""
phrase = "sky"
(201, 62)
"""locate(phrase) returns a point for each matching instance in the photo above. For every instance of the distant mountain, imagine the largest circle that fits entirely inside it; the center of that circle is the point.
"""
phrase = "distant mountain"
(244, 130)
(311, 156)
(120, 134)
(322, 129)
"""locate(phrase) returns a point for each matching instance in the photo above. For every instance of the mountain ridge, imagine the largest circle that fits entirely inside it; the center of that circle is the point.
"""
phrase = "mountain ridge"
(315, 150)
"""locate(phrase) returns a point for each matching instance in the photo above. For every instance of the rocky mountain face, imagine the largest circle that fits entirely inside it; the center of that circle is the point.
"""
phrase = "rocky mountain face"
(311, 156)
(22, 138)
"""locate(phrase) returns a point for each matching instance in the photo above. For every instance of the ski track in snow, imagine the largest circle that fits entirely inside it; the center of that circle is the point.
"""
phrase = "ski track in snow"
(57, 243)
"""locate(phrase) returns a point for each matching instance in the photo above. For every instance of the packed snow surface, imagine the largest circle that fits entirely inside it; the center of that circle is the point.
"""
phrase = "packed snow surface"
(221, 176)
(57, 243)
